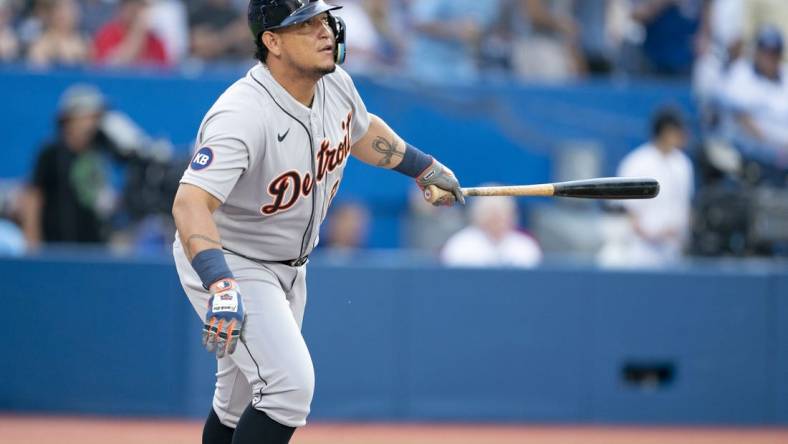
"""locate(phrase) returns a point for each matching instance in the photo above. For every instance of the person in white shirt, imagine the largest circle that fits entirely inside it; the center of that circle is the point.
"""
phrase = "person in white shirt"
(492, 239)
(756, 96)
(659, 227)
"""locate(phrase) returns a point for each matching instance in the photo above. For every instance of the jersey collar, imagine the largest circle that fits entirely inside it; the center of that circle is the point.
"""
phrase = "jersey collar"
(261, 73)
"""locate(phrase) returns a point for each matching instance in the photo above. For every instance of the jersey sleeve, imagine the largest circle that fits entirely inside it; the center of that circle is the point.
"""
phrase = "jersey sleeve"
(361, 120)
(221, 154)
(360, 123)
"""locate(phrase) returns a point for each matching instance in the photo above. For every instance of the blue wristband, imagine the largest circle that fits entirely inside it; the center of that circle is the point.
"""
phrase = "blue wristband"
(414, 162)
(211, 266)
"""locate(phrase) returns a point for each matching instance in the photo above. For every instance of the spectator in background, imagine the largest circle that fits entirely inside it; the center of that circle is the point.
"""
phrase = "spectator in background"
(128, 39)
(348, 228)
(389, 19)
(492, 238)
(758, 13)
(374, 34)
(756, 95)
(31, 22)
(61, 42)
(218, 31)
(446, 38)
(427, 227)
(670, 27)
(168, 20)
(549, 48)
(9, 44)
(363, 40)
(659, 227)
(595, 39)
(67, 199)
(12, 240)
(96, 13)
(721, 44)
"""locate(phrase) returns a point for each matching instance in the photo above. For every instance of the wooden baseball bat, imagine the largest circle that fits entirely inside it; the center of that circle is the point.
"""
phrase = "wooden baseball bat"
(599, 188)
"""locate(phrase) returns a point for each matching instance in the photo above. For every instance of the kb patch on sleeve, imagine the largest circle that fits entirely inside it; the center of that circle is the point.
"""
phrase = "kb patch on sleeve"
(202, 158)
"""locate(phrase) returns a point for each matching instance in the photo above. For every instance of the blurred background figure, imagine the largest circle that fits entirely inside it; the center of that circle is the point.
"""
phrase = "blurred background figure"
(427, 227)
(218, 32)
(68, 198)
(492, 238)
(549, 44)
(374, 34)
(95, 13)
(755, 96)
(347, 228)
(61, 41)
(128, 39)
(168, 20)
(446, 38)
(658, 229)
(758, 13)
(669, 29)
(9, 43)
(29, 21)
(12, 239)
(720, 45)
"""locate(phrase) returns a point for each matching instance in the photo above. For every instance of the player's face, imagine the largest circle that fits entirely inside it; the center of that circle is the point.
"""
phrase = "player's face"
(675, 137)
(80, 129)
(768, 62)
(309, 46)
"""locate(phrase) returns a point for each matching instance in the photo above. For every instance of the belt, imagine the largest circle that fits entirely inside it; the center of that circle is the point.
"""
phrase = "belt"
(294, 262)
(291, 263)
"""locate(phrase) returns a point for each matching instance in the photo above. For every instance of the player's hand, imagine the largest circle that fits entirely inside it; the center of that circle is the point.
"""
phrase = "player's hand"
(225, 318)
(440, 176)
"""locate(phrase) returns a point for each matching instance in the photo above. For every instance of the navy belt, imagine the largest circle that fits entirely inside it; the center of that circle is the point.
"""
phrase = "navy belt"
(294, 262)
(291, 263)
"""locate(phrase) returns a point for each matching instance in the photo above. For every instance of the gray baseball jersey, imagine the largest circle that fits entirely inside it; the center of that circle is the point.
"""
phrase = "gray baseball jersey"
(274, 163)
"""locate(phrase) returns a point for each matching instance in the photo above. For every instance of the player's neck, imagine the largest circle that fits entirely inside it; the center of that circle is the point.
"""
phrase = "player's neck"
(300, 87)
(663, 147)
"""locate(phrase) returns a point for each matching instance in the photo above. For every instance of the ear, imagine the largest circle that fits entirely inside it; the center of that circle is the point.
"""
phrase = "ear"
(273, 42)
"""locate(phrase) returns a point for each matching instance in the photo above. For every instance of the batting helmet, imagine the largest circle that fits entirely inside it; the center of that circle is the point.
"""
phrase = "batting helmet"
(270, 15)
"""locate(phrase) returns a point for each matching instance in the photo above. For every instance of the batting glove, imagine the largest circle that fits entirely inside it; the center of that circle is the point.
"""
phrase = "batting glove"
(225, 318)
(442, 177)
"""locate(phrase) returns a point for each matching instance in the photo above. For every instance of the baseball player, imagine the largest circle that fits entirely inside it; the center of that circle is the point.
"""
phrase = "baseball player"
(269, 159)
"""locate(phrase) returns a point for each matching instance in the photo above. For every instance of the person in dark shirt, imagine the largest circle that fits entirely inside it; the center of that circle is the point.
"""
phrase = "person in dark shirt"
(217, 31)
(66, 200)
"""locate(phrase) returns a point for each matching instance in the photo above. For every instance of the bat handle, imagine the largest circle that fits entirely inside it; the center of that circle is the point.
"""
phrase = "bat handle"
(437, 196)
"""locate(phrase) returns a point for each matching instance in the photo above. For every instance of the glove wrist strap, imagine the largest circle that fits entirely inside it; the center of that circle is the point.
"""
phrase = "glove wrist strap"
(414, 162)
(211, 266)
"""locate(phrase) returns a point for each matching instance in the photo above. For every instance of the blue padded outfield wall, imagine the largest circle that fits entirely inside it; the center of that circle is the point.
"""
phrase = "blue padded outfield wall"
(493, 133)
(111, 336)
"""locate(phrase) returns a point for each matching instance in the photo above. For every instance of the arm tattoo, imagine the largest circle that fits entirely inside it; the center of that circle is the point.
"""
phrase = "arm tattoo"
(388, 150)
(203, 238)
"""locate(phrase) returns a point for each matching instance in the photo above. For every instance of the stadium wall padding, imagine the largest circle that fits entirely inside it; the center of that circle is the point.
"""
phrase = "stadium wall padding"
(505, 133)
(700, 346)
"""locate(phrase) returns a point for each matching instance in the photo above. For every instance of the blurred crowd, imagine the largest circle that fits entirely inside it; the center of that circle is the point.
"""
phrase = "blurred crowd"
(451, 41)
(726, 197)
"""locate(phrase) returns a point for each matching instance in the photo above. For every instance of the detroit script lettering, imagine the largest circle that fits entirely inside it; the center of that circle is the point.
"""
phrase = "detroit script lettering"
(296, 184)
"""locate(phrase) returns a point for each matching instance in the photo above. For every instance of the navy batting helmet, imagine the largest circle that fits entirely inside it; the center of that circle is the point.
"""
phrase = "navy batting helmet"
(270, 15)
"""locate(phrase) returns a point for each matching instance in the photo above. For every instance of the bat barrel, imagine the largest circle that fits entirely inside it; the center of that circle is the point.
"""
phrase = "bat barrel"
(609, 188)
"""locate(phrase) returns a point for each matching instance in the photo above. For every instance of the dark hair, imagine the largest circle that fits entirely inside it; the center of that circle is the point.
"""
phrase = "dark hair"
(261, 51)
(665, 118)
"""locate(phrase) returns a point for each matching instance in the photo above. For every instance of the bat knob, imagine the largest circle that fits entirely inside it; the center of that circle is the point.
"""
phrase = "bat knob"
(437, 196)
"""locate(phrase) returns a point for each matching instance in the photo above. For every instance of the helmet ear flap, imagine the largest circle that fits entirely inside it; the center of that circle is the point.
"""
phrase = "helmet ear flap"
(338, 26)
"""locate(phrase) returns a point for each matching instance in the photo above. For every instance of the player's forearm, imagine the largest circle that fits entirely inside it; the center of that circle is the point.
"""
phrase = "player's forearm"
(381, 146)
(194, 220)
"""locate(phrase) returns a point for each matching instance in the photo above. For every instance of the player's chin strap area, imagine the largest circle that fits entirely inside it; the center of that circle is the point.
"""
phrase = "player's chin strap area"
(338, 26)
